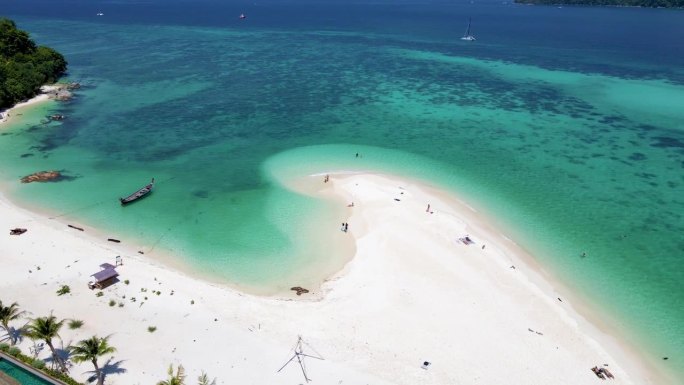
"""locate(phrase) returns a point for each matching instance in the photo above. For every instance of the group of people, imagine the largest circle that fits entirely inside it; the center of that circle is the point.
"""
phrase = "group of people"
(345, 226)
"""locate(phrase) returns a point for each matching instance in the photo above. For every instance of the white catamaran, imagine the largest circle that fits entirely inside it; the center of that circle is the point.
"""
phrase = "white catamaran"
(468, 36)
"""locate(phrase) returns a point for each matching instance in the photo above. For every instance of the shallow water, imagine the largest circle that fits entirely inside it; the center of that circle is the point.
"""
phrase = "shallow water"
(565, 124)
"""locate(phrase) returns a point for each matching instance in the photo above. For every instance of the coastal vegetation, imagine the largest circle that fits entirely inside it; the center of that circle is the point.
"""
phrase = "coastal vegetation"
(24, 66)
(75, 324)
(46, 329)
(87, 350)
(614, 3)
(203, 379)
(177, 378)
(90, 350)
(64, 289)
(8, 314)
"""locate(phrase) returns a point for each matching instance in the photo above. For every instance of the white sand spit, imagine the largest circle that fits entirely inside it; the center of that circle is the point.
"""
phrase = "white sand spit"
(412, 293)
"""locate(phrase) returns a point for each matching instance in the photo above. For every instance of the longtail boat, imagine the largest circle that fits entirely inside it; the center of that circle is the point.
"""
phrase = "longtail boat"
(138, 194)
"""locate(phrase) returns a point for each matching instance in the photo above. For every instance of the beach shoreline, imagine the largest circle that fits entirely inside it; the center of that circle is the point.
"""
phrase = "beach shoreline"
(410, 275)
(47, 93)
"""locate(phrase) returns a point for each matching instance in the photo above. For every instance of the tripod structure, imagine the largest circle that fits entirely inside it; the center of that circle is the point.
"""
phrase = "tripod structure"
(300, 355)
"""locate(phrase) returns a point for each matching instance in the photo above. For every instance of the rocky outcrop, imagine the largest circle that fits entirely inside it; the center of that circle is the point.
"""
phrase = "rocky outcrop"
(300, 290)
(63, 95)
(41, 176)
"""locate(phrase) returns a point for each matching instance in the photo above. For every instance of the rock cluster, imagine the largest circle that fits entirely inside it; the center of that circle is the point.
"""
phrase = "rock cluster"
(41, 176)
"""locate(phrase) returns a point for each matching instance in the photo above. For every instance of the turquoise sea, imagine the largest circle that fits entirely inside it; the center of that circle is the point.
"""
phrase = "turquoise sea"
(565, 124)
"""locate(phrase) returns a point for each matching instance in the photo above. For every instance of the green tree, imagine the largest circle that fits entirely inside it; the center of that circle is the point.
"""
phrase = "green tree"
(13, 40)
(47, 328)
(174, 379)
(24, 67)
(90, 350)
(8, 314)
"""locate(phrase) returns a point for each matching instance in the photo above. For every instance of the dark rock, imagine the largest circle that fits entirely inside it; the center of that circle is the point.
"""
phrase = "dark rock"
(299, 290)
(41, 176)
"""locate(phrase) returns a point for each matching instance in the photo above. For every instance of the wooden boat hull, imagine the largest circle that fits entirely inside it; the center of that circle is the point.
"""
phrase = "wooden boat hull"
(138, 194)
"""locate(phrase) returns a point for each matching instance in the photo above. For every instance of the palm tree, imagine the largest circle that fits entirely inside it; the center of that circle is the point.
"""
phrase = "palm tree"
(177, 379)
(7, 314)
(47, 328)
(203, 379)
(90, 350)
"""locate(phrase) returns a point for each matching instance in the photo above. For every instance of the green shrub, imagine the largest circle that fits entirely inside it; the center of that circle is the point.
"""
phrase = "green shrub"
(126, 281)
(112, 302)
(192, 302)
(151, 329)
(65, 289)
(60, 376)
(121, 304)
(75, 324)
(4, 347)
(99, 294)
(38, 364)
(14, 351)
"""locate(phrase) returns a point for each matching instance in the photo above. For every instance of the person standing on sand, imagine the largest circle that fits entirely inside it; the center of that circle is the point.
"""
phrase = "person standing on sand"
(427, 210)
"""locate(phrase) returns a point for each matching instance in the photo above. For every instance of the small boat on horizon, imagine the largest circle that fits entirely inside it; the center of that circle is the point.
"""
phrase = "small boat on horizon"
(138, 194)
(100, 14)
(242, 16)
(468, 36)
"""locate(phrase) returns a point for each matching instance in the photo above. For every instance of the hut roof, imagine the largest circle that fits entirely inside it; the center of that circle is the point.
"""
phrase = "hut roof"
(105, 275)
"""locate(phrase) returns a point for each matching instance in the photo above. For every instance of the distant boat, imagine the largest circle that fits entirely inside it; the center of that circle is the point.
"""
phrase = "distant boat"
(242, 16)
(138, 194)
(100, 14)
(468, 36)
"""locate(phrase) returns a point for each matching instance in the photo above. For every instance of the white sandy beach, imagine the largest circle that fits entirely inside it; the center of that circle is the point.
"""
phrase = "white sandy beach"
(47, 94)
(412, 293)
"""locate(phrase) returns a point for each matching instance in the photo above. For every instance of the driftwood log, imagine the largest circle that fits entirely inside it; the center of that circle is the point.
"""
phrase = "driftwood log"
(76, 227)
